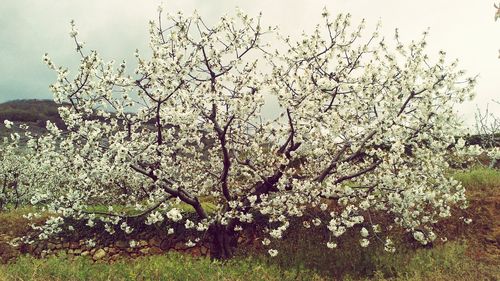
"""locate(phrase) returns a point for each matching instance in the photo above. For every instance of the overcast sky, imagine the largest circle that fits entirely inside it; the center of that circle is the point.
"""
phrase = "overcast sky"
(464, 28)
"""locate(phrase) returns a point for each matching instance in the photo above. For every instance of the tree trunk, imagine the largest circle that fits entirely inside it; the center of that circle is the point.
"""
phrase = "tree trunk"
(223, 242)
(16, 190)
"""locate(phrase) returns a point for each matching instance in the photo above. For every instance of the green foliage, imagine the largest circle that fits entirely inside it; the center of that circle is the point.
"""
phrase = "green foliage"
(445, 262)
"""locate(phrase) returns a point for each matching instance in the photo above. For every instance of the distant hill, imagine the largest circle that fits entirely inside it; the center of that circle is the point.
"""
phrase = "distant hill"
(34, 113)
(29, 111)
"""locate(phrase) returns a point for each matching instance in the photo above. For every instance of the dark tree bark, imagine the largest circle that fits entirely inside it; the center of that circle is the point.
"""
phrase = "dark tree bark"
(223, 242)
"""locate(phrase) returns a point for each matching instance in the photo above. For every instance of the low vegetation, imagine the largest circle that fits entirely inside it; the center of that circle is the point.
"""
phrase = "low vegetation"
(464, 257)
(479, 181)
(445, 262)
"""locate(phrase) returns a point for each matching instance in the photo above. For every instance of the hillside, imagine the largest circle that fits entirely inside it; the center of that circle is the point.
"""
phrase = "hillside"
(29, 111)
(34, 113)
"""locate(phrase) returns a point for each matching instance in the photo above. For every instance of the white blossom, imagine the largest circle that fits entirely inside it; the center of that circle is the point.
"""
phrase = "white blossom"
(364, 242)
(364, 232)
(272, 252)
(331, 245)
(8, 124)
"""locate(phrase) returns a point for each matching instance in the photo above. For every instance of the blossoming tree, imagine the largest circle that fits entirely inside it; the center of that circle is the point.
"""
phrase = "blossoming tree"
(364, 127)
(28, 165)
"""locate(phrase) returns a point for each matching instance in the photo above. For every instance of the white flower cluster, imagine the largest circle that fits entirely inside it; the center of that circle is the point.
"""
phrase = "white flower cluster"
(174, 214)
(8, 124)
(154, 217)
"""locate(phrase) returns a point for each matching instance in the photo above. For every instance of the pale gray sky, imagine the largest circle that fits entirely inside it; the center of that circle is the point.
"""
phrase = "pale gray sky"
(28, 29)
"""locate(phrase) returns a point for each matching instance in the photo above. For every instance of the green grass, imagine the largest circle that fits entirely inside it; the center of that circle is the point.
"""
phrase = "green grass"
(479, 179)
(12, 221)
(208, 206)
(168, 267)
(479, 176)
(445, 262)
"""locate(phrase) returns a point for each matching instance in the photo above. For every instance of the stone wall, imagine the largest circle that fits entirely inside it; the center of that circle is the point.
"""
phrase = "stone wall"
(108, 250)
(101, 252)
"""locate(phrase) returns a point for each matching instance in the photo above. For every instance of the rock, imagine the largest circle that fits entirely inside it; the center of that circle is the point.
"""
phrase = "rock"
(74, 245)
(113, 250)
(154, 242)
(179, 246)
(203, 250)
(66, 244)
(123, 254)
(40, 246)
(85, 253)
(77, 251)
(490, 239)
(51, 246)
(37, 250)
(240, 240)
(99, 254)
(155, 251)
(145, 251)
(8, 254)
(142, 243)
(195, 252)
(166, 244)
(122, 244)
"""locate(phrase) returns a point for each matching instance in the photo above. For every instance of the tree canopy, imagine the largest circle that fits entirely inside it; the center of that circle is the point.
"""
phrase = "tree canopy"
(365, 126)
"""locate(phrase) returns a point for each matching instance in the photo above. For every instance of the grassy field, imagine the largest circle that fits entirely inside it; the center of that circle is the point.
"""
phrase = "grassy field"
(471, 253)
(445, 262)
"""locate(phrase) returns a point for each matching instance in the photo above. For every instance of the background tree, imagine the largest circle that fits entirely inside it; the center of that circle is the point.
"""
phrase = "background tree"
(28, 168)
